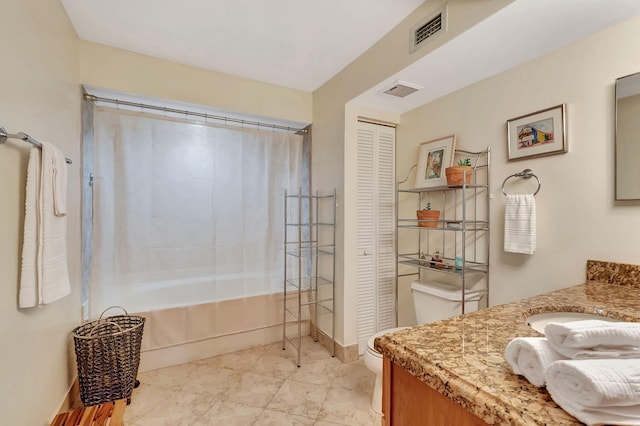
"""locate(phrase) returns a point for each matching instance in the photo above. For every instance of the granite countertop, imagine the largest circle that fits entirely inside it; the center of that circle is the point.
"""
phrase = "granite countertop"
(463, 357)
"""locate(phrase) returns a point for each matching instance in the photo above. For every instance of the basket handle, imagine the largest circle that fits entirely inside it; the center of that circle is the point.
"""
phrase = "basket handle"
(112, 307)
(104, 323)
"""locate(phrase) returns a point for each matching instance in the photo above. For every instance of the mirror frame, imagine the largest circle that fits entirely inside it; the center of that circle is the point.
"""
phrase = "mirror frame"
(631, 88)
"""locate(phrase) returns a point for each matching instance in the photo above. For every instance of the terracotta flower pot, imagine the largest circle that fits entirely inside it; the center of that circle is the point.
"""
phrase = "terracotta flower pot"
(428, 215)
(455, 174)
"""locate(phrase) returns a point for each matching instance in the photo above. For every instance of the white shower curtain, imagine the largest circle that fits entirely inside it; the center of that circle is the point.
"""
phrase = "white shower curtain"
(178, 204)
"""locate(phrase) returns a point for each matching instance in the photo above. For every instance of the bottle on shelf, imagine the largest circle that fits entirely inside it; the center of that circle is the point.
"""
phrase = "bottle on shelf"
(458, 263)
(436, 261)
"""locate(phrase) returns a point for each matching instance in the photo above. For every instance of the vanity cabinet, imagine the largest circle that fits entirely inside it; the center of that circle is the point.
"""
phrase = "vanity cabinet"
(460, 237)
(408, 401)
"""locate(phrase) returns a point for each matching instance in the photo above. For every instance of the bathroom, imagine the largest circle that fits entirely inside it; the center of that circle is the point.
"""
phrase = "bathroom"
(578, 218)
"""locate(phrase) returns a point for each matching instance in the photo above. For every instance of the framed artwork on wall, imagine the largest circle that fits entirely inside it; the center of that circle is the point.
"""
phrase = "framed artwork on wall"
(540, 133)
(433, 157)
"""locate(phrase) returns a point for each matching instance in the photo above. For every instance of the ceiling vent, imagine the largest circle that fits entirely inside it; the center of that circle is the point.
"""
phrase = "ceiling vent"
(402, 88)
(428, 29)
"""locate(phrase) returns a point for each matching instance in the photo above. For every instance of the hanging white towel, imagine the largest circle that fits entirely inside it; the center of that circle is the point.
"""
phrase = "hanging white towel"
(595, 339)
(597, 391)
(529, 356)
(28, 295)
(45, 276)
(520, 224)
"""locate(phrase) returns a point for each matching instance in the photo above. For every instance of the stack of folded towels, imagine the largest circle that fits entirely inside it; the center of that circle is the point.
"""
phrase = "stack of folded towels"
(591, 368)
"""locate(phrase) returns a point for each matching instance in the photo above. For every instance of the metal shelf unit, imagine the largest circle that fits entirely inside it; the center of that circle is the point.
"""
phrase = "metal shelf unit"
(461, 232)
(309, 265)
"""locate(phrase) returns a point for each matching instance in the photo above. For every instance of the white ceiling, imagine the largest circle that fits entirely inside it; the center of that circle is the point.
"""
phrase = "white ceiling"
(518, 33)
(301, 44)
(292, 43)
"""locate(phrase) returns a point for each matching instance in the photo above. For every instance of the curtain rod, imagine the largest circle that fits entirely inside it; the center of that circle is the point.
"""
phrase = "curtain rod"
(23, 137)
(94, 98)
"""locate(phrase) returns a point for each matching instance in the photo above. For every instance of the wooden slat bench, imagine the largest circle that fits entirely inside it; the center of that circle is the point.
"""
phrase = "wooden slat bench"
(107, 414)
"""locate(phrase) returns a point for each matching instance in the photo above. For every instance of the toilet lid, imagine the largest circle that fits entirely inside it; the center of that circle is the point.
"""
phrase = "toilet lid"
(382, 333)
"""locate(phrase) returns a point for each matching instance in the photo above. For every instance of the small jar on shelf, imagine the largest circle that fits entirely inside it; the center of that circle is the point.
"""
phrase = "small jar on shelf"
(436, 260)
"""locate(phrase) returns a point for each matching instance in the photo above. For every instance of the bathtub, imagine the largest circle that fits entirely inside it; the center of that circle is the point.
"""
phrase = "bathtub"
(164, 291)
(203, 317)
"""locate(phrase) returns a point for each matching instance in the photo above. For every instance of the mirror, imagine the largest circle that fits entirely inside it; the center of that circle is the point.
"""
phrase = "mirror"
(628, 137)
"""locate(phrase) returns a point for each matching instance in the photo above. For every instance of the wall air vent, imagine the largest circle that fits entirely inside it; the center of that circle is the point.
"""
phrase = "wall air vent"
(402, 88)
(428, 29)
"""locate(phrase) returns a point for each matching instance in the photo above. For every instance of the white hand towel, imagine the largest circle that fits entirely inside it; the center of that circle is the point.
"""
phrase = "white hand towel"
(28, 295)
(520, 224)
(529, 356)
(52, 261)
(598, 391)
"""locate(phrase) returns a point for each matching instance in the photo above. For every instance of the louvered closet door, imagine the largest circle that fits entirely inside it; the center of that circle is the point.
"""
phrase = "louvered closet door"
(376, 230)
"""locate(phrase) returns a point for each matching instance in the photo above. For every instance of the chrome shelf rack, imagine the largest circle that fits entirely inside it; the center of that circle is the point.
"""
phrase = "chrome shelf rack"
(462, 231)
(309, 268)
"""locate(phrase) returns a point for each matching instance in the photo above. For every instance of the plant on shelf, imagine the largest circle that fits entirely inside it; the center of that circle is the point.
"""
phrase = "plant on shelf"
(456, 174)
(427, 218)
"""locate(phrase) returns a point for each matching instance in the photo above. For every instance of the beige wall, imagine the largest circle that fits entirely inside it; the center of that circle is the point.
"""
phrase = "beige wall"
(43, 66)
(39, 95)
(577, 216)
(124, 71)
(334, 138)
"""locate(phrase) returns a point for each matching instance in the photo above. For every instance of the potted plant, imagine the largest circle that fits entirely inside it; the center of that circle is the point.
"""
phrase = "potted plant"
(427, 214)
(455, 174)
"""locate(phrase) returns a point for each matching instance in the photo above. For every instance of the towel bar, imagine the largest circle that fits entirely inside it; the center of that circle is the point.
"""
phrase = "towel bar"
(23, 137)
(525, 174)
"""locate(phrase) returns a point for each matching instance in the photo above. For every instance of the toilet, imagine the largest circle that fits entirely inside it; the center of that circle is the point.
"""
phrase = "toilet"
(432, 301)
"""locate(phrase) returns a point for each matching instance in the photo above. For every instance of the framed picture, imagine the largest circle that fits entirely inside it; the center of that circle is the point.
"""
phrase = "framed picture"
(537, 134)
(434, 156)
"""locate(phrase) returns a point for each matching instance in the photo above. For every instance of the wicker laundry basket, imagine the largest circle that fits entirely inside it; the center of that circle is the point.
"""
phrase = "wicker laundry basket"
(108, 355)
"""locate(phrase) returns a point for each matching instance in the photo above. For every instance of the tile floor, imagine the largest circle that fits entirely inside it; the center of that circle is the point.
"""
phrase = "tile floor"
(258, 386)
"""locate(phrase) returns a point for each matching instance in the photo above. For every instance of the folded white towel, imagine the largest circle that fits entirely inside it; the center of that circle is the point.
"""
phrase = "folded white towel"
(520, 224)
(597, 391)
(529, 356)
(611, 352)
(595, 339)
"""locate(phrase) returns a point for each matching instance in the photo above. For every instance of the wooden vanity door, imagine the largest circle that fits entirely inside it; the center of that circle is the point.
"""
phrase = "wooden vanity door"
(408, 401)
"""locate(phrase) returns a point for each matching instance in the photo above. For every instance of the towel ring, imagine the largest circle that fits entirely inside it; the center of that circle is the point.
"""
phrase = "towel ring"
(525, 174)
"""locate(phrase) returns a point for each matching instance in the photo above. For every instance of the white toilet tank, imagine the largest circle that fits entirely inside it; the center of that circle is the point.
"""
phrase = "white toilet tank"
(435, 301)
